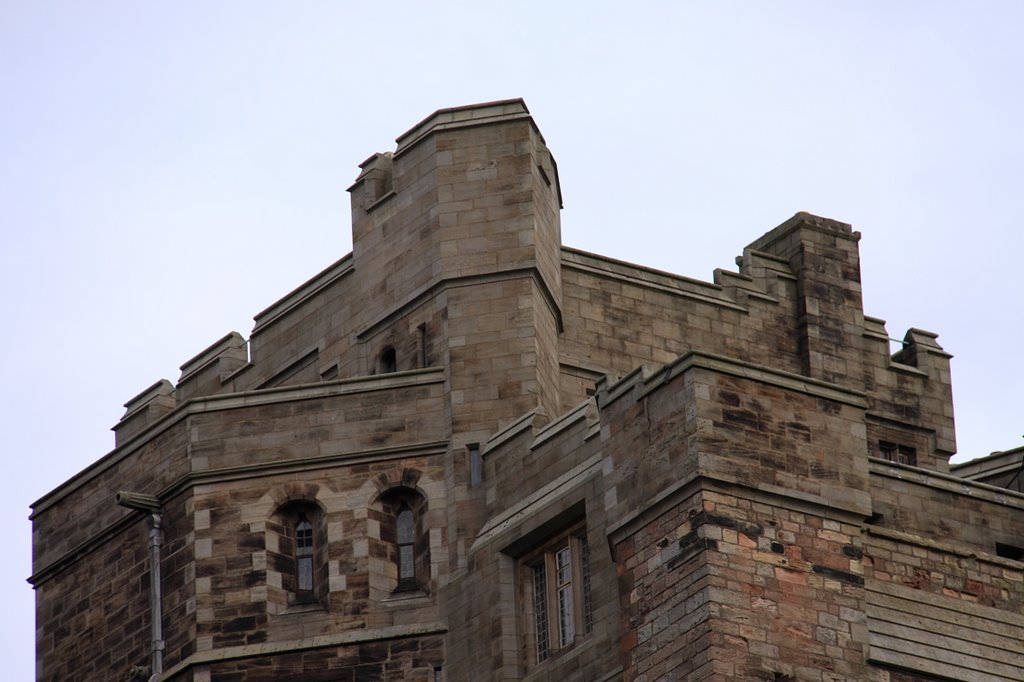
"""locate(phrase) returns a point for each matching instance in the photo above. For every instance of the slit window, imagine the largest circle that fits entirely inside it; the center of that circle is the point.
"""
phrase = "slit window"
(476, 466)
(1010, 552)
(388, 361)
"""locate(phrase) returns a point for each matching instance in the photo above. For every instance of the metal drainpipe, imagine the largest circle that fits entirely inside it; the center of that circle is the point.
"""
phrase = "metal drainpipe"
(156, 538)
(151, 505)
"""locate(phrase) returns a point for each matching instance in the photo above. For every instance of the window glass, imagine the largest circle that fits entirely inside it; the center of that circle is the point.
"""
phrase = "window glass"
(304, 554)
(559, 602)
(406, 555)
(540, 607)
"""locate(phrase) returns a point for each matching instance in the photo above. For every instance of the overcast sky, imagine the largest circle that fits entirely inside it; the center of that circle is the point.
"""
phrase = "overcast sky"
(168, 170)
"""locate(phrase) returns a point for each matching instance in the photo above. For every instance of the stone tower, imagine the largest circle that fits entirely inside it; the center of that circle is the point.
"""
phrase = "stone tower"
(465, 451)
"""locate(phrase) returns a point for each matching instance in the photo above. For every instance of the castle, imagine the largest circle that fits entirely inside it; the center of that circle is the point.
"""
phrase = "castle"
(467, 452)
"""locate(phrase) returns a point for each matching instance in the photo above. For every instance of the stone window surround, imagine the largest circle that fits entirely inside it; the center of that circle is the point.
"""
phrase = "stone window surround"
(541, 567)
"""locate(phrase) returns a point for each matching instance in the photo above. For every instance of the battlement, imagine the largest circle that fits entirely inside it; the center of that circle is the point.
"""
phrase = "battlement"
(751, 315)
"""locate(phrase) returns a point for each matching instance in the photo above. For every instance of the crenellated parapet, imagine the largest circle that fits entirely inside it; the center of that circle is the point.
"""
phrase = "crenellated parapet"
(144, 409)
(205, 373)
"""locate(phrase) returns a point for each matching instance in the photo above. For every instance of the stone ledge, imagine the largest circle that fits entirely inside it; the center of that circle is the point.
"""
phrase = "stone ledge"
(941, 546)
(947, 482)
(703, 481)
(348, 638)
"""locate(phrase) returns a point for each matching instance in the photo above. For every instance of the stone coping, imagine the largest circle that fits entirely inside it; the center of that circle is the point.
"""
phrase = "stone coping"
(990, 465)
(947, 482)
(302, 293)
(161, 388)
(803, 219)
(210, 353)
(462, 117)
(674, 285)
(646, 383)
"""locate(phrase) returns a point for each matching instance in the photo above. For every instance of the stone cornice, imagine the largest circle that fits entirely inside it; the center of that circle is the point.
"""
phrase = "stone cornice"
(472, 115)
(346, 638)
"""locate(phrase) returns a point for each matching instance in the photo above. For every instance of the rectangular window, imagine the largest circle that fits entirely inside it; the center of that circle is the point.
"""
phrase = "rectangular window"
(894, 452)
(1010, 552)
(541, 610)
(476, 466)
(560, 604)
(563, 569)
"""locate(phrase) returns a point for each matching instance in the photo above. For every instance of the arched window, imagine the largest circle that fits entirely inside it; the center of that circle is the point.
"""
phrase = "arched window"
(304, 554)
(388, 361)
(405, 531)
(404, 540)
(297, 555)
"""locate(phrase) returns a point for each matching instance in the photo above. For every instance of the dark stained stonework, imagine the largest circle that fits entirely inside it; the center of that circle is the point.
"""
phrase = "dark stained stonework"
(695, 468)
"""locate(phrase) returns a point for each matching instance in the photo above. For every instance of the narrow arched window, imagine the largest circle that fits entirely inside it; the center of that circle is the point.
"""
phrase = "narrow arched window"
(296, 545)
(304, 554)
(404, 540)
(405, 527)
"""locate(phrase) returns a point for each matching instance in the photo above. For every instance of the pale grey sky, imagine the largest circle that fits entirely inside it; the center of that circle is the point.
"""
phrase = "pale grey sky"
(167, 170)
